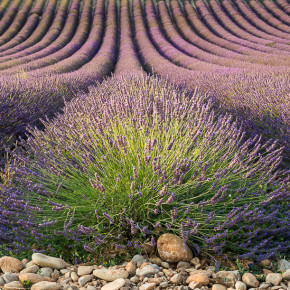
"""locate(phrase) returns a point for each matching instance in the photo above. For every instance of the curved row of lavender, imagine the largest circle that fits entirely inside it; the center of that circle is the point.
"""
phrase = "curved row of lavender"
(213, 46)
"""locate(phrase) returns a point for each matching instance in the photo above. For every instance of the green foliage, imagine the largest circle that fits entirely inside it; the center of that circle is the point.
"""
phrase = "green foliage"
(26, 283)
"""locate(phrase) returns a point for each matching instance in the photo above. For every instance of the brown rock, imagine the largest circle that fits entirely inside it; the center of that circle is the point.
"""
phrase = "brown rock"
(15, 285)
(184, 265)
(176, 279)
(155, 280)
(226, 278)
(250, 280)
(10, 264)
(172, 249)
(33, 278)
(131, 268)
(45, 285)
(201, 278)
(156, 260)
(265, 263)
(266, 271)
(274, 278)
(218, 287)
(194, 285)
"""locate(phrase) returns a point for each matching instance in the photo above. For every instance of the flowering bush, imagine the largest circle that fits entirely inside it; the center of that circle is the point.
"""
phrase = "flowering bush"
(137, 157)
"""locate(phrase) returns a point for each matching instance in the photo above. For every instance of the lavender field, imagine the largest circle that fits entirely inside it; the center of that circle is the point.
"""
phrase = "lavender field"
(122, 120)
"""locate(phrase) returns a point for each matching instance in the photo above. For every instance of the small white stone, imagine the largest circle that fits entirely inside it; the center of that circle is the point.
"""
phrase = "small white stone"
(147, 286)
(47, 261)
(176, 279)
(74, 276)
(163, 284)
(240, 286)
(85, 279)
(134, 279)
(85, 270)
(115, 285)
(218, 287)
(147, 270)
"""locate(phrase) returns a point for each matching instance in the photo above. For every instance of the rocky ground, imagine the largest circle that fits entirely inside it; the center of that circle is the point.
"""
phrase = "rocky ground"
(173, 268)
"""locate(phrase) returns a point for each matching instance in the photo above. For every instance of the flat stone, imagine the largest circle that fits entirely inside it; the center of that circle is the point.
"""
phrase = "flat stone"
(240, 285)
(193, 271)
(184, 265)
(286, 275)
(115, 285)
(226, 278)
(33, 278)
(10, 264)
(32, 269)
(47, 261)
(45, 271)
(10, 277)
(85, 270)
(110, 274)
(2, 282)
(83, 280)
(45, 285)
(55, 275)
(176, 279)
(250, 280)
(264, 285)
(14, 285)
(200, 278)
(163, 284)
(147, 270)
(147, 286)
(218, 287)
(283, 265)
(274, 278)
(139, 259)
(29, 264)
(90, 287)
(172, 249)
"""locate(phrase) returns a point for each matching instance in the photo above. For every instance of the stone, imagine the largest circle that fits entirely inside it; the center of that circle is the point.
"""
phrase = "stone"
(33, 278)
(163, 284)
(274, 278)
(155, 280)
(45, 285)
(265, 263)
(46, 271)
(226, 278)
(29, 264)
(147, 286)
(283, 265)
(184, 265)
(24, 261)
(200, 278)
(237, 274)
(172, 249)
(286, 275)
(156, 260)
(176, 279)
(74, 276)
(85, 270)
(32, 269)
(147, 270)
(10, 264)
(55, 275)
(165, 265)
(195, 261)
(10, 277)
(264, 285)
(131, 268)
(115, 285)
(250, 280)
(276, 288)
(194, 285)
(83, 280)
(139, 259)
(134, 279)
(197, 266)
(63, 271)
(47, 261)
(266, 272)
(240, 285)
(15, 285)
(194, 271)
(218, 287)
(110, 274)
(70, 287)
(2, 282)
(90, 287)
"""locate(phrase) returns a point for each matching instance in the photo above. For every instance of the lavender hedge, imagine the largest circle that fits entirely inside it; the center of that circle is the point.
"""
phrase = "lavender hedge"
(137, 157)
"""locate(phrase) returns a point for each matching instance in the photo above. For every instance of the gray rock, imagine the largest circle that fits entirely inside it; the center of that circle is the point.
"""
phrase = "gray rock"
(47, 261)
(147, 270)
(110, 274)
(184, 265)
(10, 277)
(240, 286)
(274, 278)
(32, 269)
(283, 265)
(163, 284)
(85, 270)
(46, 271)
(115, 285)
(2, 282)
(85, 279)
(176, 279)
(90, 287)
(226, 278)
(134, 279)
(46, 286)
(139, 259)
(286, 275)
(165, 265)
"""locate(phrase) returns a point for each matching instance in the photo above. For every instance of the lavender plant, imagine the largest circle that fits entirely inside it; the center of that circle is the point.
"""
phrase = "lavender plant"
(137, 157)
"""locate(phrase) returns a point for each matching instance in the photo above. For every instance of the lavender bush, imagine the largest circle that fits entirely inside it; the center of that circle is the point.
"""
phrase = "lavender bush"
(137, 157)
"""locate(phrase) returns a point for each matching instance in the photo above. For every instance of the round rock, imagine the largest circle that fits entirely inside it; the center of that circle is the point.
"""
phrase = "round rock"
(218, 287)
(226, 278)
(240, 286)
(200, 278)
(10, 264)
(85, 270)
(172, 249)
(283, 265)
(286, 275)
(274, 278)
(47, 261)
(10, 277)
(15, 285)
(250, 280)
(33, 278)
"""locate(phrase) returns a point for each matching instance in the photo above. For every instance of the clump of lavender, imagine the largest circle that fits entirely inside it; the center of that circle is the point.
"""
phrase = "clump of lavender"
(137, 157)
